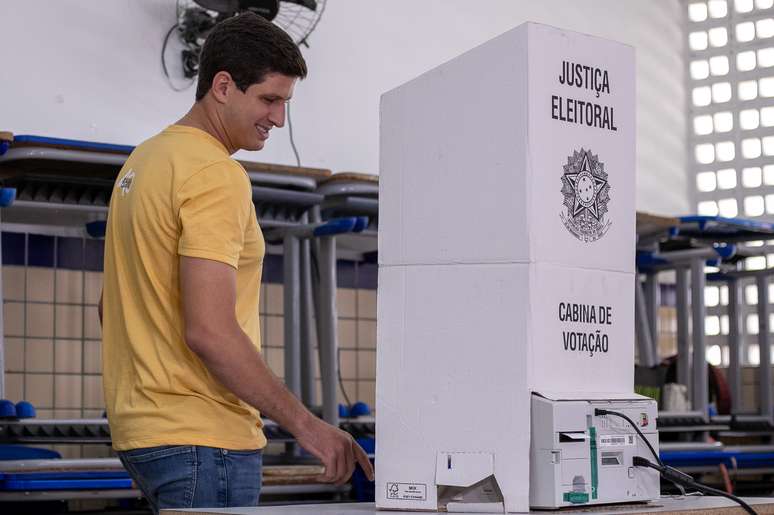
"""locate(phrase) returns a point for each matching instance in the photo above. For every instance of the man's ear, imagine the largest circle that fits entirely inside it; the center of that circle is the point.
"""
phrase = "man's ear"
(222, 84)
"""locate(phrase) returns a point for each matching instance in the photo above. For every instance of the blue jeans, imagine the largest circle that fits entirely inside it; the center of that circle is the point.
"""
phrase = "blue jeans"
(191, 476)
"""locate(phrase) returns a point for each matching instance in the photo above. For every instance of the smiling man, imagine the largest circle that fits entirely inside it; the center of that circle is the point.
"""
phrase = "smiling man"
(183, 374)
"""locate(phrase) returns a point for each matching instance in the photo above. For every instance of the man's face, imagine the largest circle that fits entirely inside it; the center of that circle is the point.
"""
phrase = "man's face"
(249, 116)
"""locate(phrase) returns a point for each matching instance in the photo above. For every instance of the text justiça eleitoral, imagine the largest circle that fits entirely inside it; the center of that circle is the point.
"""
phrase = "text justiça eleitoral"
(583, 112)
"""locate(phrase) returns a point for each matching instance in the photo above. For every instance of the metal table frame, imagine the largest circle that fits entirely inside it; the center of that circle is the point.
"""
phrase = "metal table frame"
(711, 241)
(283, 196)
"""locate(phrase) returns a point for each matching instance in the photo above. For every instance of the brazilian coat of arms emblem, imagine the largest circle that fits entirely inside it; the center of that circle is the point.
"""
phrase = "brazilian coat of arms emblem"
(586, 192)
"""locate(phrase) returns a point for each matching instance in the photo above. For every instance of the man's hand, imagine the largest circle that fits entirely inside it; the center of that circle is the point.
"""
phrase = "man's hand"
(212, 332)
(336, 449)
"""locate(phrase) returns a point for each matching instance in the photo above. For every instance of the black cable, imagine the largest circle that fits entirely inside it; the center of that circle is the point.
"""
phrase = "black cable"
(164, 48)
(341, 382)
(316, 273)
(600, 411)
(164, 61)
(675, 476)
(292, 141)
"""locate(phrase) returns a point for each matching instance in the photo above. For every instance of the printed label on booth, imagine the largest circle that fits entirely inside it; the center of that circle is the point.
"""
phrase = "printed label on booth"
(407, 491)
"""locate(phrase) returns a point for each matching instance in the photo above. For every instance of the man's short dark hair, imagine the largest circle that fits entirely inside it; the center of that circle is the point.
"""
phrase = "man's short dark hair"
(248, 47)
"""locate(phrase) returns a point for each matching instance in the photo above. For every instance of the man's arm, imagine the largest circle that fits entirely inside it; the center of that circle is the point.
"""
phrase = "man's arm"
(208, 290)
(99, 307)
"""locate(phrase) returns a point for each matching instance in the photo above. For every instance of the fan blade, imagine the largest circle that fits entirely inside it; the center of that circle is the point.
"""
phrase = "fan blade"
(221, 6)
(309, 4)
(266, 8)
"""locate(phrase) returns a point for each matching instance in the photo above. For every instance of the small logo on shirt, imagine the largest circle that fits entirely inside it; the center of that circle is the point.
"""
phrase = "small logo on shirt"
(126, 182)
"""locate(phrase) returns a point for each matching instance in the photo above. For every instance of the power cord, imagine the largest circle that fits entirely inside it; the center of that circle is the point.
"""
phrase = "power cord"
(292, 141)
(675, 476)
(316, 273)
(678, 478)
(164, 62)
(600, 411)
(192, 26)
(341, 382)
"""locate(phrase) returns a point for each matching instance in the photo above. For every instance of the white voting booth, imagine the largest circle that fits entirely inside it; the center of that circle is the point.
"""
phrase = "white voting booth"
(506, 265)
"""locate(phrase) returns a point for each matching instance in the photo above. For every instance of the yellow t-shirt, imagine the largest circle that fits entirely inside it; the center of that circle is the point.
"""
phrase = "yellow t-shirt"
(178, 194)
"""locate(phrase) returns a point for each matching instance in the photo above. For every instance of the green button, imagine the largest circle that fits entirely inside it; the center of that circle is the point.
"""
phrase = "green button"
(576, 497)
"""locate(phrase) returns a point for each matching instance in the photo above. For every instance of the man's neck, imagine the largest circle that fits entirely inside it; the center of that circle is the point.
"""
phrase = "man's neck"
(203, 117)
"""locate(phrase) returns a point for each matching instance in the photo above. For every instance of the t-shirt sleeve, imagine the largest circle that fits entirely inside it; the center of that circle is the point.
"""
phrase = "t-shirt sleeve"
(214, 210)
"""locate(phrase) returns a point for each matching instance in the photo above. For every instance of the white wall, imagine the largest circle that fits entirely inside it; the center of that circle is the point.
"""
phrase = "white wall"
(91, 69)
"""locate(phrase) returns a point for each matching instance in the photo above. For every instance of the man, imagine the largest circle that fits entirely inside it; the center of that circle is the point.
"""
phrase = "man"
(183, 375)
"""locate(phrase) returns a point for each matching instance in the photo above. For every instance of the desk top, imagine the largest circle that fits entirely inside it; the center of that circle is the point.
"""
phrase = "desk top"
(668, 505)
(40, 145)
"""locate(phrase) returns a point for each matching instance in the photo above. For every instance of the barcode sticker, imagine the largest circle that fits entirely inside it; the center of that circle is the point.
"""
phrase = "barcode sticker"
(614, 440)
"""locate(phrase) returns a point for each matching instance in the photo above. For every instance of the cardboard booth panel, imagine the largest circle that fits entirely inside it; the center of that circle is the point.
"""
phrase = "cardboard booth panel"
(482, 162)
(506, 259)
(583, 330)
(451, 377)
(582, 149)
(452, 159)
(463, 468)
(458, 344)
